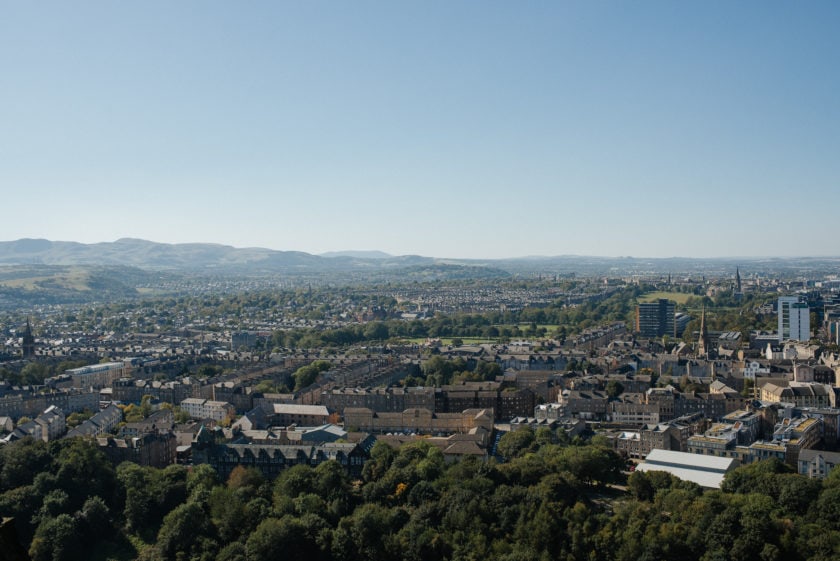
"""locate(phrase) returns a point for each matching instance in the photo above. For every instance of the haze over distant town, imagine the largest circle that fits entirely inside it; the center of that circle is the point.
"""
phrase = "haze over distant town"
(481, 130)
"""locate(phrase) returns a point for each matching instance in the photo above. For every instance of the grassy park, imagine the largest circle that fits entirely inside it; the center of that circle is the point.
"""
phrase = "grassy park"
(678, 297)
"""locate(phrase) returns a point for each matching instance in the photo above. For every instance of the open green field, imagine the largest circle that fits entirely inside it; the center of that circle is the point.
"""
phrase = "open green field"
(448, 340)
(70, 280)
(548, 327)
(150, 291)
(678, 297)
(26, 284)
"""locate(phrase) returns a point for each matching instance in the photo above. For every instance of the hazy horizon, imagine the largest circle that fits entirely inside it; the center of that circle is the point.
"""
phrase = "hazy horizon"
(462, 257)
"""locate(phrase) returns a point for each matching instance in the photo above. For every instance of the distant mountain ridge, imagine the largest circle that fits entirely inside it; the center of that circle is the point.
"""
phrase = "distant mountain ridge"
(224, 259)
(44, 272)
(187, 256)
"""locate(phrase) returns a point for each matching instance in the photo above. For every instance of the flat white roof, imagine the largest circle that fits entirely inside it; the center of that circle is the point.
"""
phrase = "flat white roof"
(690, 461)
(706, 471)
(707, 479)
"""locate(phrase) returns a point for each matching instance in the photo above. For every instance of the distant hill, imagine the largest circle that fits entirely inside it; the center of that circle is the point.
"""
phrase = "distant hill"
(37, 271)
(201, 258)
(150, 255)
(205, 258)
(358, 254)
(27, 285)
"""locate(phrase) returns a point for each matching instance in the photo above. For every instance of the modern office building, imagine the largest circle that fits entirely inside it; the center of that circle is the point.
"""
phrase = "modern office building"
(681, 320)
(655, 319)
(794, 319)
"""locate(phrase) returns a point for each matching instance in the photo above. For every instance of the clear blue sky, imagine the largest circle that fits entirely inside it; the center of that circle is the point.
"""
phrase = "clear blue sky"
(449, 129)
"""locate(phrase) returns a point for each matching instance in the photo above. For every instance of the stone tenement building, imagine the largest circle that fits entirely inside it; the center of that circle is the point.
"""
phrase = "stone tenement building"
(271, 460)
(130, 390)
(506, 402)
(379, 399)
(30, 403)
(418, 421)
(149, 449)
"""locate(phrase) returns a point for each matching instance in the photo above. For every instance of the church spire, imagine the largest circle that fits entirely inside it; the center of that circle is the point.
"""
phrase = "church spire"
(28, 342)
(703, 341)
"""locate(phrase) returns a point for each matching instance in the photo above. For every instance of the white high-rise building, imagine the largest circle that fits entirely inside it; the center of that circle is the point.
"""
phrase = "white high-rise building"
(794, 319)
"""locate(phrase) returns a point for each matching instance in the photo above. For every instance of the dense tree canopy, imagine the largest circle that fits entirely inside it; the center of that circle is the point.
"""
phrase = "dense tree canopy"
(549, 500)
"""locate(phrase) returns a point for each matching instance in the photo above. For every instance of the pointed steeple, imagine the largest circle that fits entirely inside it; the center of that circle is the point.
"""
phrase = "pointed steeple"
(703, 341)
(737, 280)
(28, 343)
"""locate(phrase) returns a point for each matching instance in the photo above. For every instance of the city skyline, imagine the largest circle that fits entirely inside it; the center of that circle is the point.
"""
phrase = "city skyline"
(474, 130)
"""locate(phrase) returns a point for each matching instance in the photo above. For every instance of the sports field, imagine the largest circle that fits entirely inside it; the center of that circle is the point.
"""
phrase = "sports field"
(678, 297)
